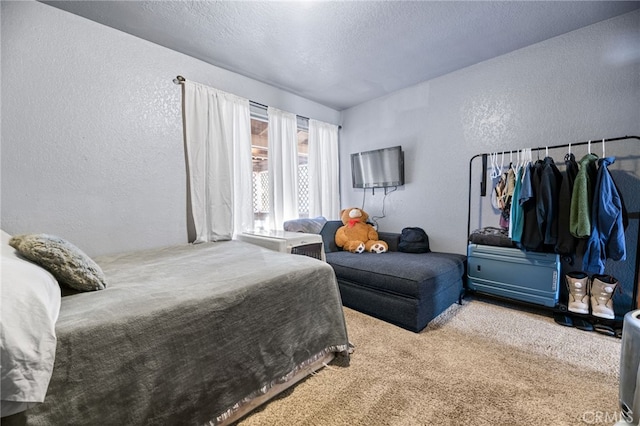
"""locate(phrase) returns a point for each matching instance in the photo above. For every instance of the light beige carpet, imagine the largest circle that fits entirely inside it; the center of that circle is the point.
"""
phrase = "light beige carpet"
(481, 363)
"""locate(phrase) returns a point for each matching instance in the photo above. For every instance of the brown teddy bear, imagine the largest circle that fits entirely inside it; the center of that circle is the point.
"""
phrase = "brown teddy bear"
(356, 235)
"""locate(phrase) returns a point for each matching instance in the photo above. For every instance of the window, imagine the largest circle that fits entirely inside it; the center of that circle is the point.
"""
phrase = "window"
(303, 172)
(260, 158)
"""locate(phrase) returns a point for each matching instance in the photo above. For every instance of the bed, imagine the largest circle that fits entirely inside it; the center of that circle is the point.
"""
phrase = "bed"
(190, 334)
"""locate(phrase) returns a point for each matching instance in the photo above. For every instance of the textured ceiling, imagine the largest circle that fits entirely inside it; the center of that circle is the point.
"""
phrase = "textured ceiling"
(340, 54)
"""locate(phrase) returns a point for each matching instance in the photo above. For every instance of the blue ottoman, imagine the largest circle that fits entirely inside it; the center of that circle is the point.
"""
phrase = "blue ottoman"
(405, 289)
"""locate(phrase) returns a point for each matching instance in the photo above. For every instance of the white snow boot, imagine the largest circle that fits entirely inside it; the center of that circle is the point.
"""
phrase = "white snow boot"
(602, 288)
(578, 286)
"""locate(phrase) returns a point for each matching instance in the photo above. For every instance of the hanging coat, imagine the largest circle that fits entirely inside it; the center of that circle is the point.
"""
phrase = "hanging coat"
(582, 197)
(504, 195)
(515, 220)
(547, 201)
(531, 238)
(566, 244)
(608, 222)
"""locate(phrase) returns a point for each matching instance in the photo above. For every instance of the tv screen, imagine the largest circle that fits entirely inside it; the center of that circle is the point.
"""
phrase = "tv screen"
(379, 168)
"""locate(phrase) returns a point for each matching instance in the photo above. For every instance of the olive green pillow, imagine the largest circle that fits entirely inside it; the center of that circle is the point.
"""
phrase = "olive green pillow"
(70, 265)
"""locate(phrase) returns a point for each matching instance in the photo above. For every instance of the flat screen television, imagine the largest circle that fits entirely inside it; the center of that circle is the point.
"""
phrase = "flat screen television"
(380, 168)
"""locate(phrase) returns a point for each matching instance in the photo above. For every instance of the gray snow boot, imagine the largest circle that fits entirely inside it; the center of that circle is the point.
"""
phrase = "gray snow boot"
(578, 286)
(602, 288)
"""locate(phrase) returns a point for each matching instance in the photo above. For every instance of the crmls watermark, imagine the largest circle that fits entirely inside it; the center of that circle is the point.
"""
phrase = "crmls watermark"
(601, 417)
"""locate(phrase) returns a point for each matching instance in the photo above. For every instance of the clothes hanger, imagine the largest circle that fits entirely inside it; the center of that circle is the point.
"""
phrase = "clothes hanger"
(526, 160)
(603, 149)
(494, 165)
(491, 159)
(567, 156)
(520, 158)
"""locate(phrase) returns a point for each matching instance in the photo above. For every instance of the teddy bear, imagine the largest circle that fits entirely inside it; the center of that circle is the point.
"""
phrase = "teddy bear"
(356, 235)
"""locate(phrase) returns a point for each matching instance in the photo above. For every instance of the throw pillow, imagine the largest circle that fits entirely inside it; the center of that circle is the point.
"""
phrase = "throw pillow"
(70, 265)
(307, 225)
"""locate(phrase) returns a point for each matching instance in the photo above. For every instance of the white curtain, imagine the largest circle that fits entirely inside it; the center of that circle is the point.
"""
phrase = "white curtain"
(324, 171)
(218, 143)
(283, 167)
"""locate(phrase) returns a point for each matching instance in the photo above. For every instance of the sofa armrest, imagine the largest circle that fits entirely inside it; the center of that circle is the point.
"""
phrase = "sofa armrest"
(391, 238)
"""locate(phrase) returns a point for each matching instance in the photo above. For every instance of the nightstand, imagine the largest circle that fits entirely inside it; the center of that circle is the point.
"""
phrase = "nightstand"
(287, 242)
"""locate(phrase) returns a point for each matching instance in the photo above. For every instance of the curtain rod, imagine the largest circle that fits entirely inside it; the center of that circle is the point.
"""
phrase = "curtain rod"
(180, 80)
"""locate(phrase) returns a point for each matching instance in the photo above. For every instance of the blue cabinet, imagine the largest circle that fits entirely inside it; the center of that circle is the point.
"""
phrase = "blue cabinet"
(515, 274)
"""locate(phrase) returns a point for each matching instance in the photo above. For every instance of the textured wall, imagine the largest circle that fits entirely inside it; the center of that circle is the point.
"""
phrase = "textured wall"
(575, 87)
(92, 146)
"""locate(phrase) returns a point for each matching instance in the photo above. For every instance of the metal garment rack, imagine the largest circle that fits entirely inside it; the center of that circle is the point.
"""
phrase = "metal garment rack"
(483, 191)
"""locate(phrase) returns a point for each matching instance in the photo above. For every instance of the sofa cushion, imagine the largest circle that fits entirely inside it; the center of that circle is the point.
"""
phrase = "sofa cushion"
(417, 275)
(328, 234)
(391, 238)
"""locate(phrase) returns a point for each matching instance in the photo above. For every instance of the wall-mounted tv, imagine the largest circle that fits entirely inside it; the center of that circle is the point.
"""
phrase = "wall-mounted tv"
(380, 168)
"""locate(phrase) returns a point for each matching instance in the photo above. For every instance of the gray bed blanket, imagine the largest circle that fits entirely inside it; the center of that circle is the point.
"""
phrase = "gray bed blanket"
(182, 334)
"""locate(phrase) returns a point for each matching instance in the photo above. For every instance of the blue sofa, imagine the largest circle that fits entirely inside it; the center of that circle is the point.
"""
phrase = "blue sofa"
(405, 289)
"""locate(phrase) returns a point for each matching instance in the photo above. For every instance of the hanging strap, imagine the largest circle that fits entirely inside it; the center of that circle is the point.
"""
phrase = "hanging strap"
(483, 182)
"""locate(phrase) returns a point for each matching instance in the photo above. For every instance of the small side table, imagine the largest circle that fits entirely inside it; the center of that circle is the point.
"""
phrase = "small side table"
(287, 242)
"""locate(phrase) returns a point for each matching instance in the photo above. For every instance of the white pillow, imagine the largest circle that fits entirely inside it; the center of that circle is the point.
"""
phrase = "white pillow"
(6, 248)
(30, 306)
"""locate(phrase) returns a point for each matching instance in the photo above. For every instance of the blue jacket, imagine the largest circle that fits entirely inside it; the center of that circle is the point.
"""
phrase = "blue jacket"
(607, 223)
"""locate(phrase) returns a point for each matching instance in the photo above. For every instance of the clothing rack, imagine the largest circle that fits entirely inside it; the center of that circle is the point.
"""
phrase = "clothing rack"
(631, 215)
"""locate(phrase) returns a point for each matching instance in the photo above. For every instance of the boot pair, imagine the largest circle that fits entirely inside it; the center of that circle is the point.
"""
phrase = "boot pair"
(597, 292)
